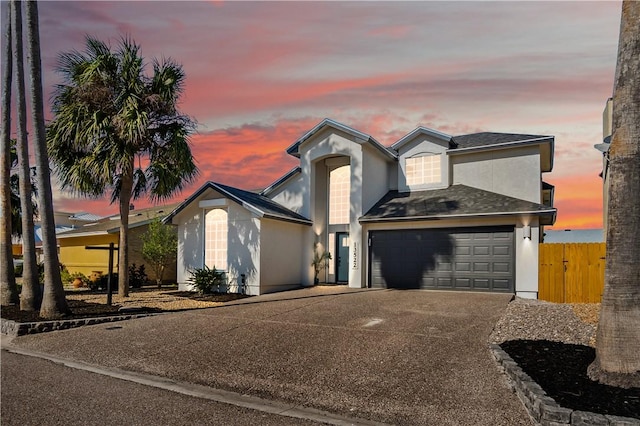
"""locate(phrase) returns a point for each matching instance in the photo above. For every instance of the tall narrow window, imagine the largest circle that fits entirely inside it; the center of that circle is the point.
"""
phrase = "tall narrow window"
(215, 252)
(423, 170)
(339, 195)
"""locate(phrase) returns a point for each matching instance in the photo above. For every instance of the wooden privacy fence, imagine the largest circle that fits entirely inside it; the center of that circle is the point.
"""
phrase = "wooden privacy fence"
(572, 272)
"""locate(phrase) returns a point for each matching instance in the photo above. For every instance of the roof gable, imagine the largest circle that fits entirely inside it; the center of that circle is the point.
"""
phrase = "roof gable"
(254, 202)
(421, 131)
(294, 149)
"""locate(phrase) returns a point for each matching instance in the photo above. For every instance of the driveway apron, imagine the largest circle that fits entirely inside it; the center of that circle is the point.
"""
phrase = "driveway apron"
(394, 356)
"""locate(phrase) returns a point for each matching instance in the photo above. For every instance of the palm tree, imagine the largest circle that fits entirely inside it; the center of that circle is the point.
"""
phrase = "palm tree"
(618, 337)
(54, 303)
(117, 130)
(8, 288)
(30, 296)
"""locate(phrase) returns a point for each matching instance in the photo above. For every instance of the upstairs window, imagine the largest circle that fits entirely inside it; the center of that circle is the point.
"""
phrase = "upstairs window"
(339, 195)
(216, 239)
(423, 170)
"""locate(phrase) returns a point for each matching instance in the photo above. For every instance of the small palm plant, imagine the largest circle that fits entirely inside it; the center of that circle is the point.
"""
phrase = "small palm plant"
(320, 261)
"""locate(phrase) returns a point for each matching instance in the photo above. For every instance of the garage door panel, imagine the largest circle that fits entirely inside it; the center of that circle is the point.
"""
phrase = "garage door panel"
(451, 258)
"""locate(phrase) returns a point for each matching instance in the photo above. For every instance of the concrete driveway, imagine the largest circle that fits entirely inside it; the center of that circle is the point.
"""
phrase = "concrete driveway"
(394, 356)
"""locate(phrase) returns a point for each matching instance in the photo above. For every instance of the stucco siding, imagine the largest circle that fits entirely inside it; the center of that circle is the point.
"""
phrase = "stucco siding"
(515, 173)
(243, 251)
(291, 194)
(190, 243)
(281, 255)
(375, 178)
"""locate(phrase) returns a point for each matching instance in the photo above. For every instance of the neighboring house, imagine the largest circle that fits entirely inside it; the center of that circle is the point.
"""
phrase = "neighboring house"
(574, 236)
(64, 221)
(72, 243)
(431, 211)
(607, 131)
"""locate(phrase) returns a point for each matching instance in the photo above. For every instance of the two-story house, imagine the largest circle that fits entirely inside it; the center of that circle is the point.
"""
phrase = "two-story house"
(431, 211)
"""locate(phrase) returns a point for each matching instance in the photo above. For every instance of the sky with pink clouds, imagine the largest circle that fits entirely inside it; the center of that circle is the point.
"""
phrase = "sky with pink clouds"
(260, 74)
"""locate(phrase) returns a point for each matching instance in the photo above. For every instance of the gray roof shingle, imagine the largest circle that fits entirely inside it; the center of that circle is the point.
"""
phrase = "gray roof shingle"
(454, 201)
(476, 140)
(259, 203)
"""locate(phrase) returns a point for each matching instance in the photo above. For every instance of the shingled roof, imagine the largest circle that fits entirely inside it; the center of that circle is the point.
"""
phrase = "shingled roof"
(455, 201)
(483, 139)
(259, 204)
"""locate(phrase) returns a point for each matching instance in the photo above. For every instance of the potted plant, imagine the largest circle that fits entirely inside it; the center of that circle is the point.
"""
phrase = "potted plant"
(78, 279)
(320, 261)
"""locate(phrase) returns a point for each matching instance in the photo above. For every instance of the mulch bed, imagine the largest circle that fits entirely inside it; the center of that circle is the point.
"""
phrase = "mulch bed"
(81, 309)
(561, 370)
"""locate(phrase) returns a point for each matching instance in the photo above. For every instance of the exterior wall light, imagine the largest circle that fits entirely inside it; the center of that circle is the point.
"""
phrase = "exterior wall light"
(526, 232)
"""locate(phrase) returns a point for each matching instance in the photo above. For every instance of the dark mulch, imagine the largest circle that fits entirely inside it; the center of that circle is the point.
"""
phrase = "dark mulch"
(81, 309)
(561, 370)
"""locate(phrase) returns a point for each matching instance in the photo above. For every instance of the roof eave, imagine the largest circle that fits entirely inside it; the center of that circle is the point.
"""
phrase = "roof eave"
(418, 130)
(542, 213)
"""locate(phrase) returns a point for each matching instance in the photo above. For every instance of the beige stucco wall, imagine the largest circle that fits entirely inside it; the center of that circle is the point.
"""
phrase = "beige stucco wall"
(514, 172)
(281, 255)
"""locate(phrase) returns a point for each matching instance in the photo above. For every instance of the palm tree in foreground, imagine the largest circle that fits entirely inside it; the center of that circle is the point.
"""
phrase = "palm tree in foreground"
(30, 296)
(54, 303)
(119, 131)
(8, 288)
(618, 337)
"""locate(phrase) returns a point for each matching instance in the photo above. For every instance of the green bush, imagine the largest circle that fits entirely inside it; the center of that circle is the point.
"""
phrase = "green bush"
(206, 279)
(137, 276)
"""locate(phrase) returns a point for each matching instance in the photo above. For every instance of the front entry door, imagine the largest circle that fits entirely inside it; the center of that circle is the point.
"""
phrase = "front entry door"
(342, 257)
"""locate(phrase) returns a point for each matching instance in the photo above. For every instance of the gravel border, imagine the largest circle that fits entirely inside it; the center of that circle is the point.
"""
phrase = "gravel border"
(14, 328)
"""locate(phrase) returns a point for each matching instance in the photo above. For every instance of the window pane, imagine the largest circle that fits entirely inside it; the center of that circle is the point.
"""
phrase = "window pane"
(216, 239)
(423, 170)
(339, 195)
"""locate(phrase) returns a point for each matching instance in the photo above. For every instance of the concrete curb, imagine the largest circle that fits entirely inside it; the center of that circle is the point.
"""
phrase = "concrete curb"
(13, 328)
(545, 410)
(204, 392)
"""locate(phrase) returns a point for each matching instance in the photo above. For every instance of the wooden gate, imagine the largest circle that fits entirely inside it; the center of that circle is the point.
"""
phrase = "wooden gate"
(571, 273)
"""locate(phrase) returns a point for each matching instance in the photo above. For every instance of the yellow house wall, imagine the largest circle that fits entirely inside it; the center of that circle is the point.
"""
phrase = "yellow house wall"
(76, 258)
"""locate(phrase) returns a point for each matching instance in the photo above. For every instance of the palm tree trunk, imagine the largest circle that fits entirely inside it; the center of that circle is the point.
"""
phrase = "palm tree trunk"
(30, 297)
(8, 288)
(54, 303)
(123, 247)
(618, 337)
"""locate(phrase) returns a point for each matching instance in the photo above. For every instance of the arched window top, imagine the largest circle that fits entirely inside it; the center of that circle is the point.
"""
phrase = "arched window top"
(339, 195)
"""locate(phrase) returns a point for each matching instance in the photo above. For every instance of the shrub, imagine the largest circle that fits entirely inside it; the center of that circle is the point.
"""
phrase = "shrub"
(206, 279)
(137, 276)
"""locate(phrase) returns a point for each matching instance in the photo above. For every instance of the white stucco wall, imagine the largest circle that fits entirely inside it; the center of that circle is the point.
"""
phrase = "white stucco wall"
(243, 250)
(375, 177)
(290, 194)
(190, 243)
(282, 248)
(525, 251)
(527, 260)
(514, 172)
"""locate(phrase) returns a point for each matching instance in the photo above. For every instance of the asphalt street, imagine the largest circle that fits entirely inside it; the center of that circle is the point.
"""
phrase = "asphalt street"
(40, 392)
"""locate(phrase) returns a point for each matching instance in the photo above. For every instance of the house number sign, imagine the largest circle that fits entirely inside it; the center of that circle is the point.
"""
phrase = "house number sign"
(355, 255)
